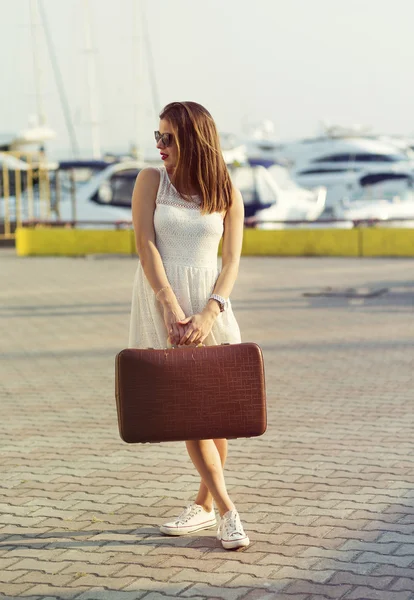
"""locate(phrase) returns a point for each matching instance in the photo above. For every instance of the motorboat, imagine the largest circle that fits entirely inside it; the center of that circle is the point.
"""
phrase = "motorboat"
(104, 196)
(387, 207)
(311, 160)
(339, 163)
(283, 200)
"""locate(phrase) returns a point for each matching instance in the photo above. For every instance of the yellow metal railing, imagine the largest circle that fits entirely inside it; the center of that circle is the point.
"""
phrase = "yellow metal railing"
(25, 190)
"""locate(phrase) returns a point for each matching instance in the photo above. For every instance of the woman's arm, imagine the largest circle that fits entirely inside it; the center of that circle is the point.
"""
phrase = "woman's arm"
(231, 250)
(199, 326)
(143, 208)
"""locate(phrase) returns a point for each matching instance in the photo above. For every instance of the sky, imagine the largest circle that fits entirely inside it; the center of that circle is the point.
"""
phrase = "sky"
(296, 63)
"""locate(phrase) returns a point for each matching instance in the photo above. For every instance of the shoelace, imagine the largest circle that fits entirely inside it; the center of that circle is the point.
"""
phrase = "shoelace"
(187, 514)
(233, 523)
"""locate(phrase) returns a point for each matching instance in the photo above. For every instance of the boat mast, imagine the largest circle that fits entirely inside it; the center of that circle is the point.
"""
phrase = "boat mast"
(150, 60)
(59, 83)
(96, 143)
(137, 67)
(38, 72)
(142, 47)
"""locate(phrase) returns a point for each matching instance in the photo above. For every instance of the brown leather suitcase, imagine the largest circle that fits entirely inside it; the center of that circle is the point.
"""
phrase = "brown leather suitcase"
(190, 393)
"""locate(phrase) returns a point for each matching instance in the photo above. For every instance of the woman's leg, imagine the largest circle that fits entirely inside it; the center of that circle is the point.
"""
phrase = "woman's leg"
(206, 459)
(204, 497)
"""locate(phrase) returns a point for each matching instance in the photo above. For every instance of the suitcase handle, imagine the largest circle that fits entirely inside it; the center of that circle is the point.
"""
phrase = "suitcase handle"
(173, 346)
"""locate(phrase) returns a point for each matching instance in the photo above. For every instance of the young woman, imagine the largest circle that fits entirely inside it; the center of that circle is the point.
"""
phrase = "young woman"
(180, 212)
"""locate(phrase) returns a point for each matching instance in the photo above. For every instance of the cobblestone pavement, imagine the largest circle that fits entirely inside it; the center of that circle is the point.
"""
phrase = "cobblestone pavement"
(326, 494)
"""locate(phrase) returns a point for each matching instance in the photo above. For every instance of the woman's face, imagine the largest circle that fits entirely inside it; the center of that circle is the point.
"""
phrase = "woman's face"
(167, 146)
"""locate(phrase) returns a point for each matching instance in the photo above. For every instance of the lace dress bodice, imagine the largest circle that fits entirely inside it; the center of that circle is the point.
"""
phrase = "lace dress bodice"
(183, 235)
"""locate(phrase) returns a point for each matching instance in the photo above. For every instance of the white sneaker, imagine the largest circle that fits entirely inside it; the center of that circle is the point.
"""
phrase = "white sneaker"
(231, 532)
(193, 518)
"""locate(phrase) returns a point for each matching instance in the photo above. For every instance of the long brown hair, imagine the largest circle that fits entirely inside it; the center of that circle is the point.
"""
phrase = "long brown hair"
(200, 164)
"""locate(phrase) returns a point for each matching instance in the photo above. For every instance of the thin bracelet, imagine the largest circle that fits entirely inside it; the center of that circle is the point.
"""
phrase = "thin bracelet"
(167, 287)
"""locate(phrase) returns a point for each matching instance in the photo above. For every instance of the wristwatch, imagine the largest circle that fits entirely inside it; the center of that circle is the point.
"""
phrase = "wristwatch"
(222, 302)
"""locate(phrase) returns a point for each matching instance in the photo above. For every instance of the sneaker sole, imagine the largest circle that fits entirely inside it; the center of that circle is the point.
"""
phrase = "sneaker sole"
(180, 531)
(236, 545)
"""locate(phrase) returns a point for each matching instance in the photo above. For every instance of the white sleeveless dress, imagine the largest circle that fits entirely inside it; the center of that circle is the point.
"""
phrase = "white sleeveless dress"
(188, 244)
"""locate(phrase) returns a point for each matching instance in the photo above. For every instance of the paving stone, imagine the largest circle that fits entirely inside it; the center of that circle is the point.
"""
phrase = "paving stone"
(164, 596)
(364, 568)
(37, 553)
(248, 569)
(216, 578)
(48, 578)
(342, 555)
(394, 571)
(403, 583)
(46, 591)
(105, 570)
(393, 536)
(167, 587)
(14, 589)
(322, 589)
(264, 594)
(405, 550)
(381, 548)
(204, 563)
(373, 581)
(31, 564)
(10, 576)
(6, 562)
(366, 593)
(357, 534)
(398, 561)
(317, 542)
(315, 575)
(210, 591)
(103, 594)
(90, 581)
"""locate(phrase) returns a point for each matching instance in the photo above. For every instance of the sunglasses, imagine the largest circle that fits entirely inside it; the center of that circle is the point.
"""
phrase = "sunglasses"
(165, 138)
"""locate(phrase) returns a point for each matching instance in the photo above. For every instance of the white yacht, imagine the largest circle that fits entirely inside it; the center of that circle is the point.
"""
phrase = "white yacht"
(281, 198)
(104, 196)
(311, 160)
(338, 163)
(394, 209)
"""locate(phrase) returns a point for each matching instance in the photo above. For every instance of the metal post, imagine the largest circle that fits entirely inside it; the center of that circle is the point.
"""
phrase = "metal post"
(30, 201)
(73, 193)
(41, 185)
(18, 196)
(6, 189)
(57, 193)
(47, 192)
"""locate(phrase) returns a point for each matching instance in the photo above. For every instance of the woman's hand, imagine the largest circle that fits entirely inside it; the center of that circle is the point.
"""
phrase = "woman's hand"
(172, 313)
(172, 316)
(198, 326)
